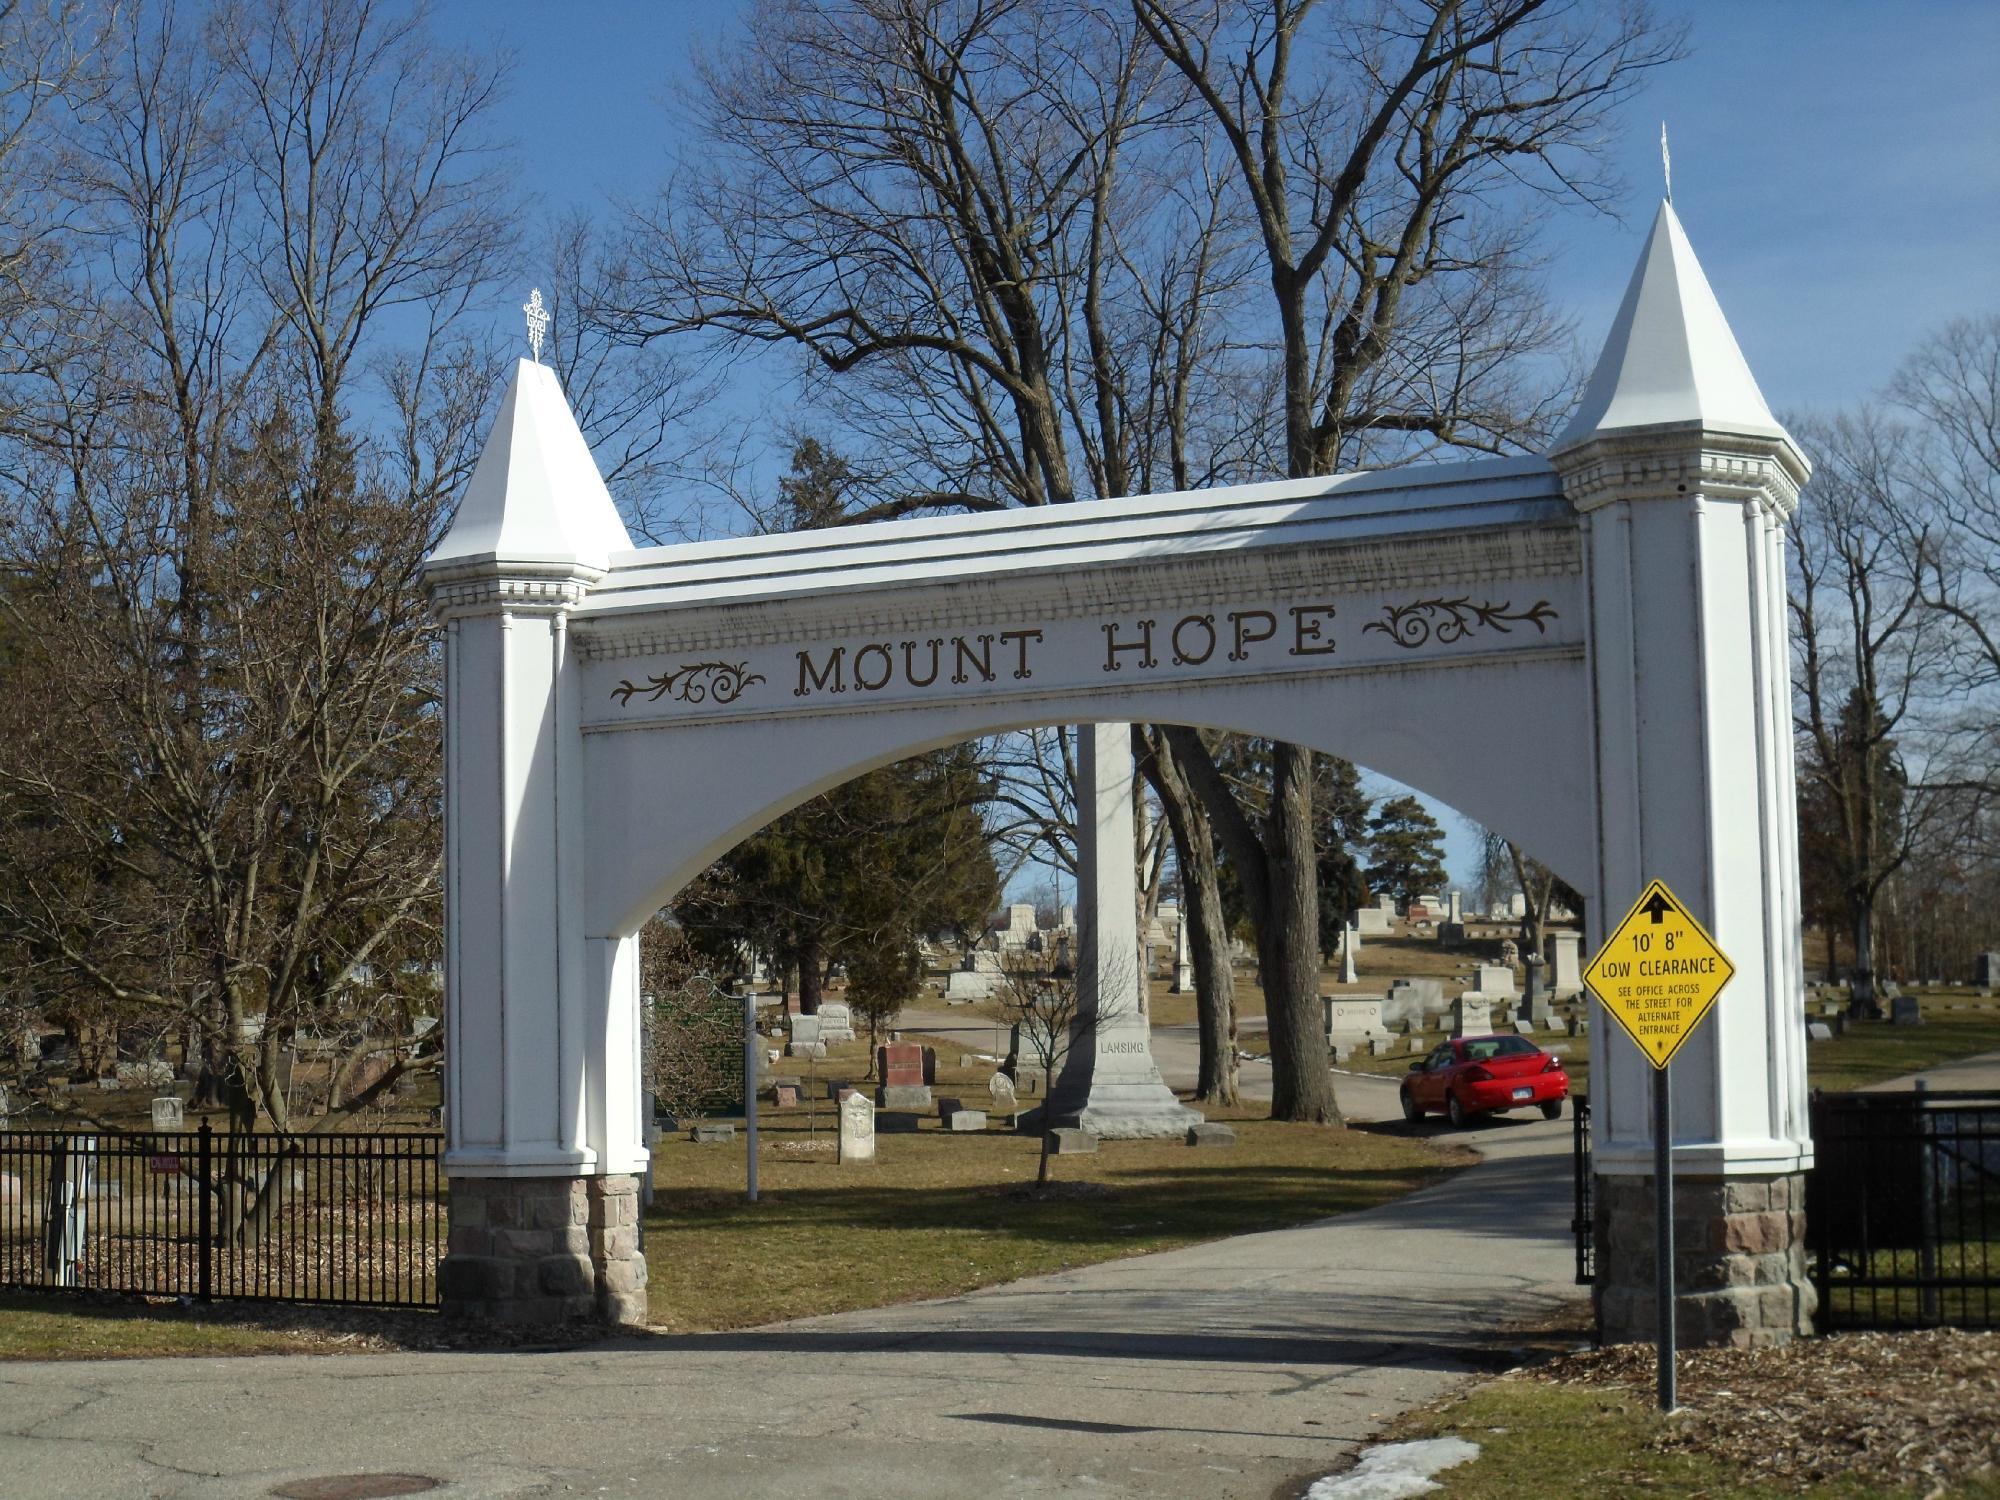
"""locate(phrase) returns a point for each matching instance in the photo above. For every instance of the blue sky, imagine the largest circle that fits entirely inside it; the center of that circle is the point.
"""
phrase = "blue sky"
(1836, 164)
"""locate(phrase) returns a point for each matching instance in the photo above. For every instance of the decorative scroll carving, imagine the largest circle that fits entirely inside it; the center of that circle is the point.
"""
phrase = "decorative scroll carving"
(1447, 620)
(692, 682)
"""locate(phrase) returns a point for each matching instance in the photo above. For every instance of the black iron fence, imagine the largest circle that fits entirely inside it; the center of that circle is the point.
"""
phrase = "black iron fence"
(1903, 1209)
(1581, 1225)
(351, 1219)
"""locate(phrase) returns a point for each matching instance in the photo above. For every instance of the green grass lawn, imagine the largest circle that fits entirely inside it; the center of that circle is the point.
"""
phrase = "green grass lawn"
(1874, 1051)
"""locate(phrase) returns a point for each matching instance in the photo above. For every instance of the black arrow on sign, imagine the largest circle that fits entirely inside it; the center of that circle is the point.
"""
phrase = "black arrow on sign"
(1659, 906)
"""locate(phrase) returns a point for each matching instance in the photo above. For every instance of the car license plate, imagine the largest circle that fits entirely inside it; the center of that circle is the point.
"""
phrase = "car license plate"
(1524, 1093)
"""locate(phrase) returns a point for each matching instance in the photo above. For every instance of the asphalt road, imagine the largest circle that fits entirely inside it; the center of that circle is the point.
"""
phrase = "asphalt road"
(1235, 1369)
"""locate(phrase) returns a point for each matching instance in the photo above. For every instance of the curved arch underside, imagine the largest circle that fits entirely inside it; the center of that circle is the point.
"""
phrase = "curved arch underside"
(1505, 742)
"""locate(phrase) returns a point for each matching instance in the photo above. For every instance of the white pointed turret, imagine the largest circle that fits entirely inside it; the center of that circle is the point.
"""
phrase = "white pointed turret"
(1670, 357)
(535, 496)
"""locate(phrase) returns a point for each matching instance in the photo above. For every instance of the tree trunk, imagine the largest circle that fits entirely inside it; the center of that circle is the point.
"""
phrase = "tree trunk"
(1201, 909)
(1862, 1003)
(812, 969)
(1288, 947)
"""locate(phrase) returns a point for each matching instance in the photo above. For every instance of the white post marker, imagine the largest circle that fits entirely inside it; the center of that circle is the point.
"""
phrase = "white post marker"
(1657, 976)
(750, 1048)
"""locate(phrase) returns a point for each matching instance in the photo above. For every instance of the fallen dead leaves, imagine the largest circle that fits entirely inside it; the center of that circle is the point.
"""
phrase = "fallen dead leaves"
(1902, 1409)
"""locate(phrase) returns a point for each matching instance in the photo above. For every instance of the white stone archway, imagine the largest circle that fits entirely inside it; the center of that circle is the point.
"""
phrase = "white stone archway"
(1586, 651)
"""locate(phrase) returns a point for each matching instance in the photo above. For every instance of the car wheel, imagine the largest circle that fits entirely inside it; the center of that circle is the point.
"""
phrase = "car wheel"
(1552, 1109)
(1456, 1112)
(1411, 1109)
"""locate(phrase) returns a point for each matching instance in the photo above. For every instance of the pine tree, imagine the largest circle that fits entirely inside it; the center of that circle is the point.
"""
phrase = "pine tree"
(1406, 847)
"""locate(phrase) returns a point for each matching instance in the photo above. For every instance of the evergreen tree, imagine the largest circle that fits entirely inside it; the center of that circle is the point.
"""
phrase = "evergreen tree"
(1342, 830)
(1406, 847)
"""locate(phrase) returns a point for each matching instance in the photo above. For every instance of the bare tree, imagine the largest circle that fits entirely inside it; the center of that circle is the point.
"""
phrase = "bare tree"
(1373, 149)
(1056, 1007)
(1869, 673)
(1950, 477)
(226, 809)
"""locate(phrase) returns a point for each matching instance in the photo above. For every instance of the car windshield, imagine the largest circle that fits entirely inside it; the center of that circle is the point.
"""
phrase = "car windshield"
(1499, 1046)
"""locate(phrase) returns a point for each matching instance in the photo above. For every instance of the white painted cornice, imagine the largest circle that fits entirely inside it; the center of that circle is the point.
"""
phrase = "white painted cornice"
(1682, 460)
(1494, 519)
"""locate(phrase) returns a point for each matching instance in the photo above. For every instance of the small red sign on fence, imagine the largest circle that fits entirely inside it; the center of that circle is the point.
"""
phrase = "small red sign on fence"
(165, 1166)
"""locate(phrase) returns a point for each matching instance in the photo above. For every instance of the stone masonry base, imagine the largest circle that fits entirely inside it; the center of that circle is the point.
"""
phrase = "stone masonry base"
(1740, 1260)
(544, 1250)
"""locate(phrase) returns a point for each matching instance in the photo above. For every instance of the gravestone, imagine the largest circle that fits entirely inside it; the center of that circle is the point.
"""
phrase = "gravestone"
(965, 987)
(167, 1112)
(1905, 1010)
(806, 1040)
(1005, 1100)
(1986, 970)
(1517, 906)
(1353, 1018)
(1210, 1133)
(1563, 952)
(964, 1121)
(713, 1135)
(1410, 1000)
(836, 1021)
(1347, 970)
(857, 1129)
(785, 1095)
(1470, 1017)
(1495, 981)
(1818, 1031)
(1372, 919)
(901, 1067)
(1072, 1141)
(1510, 952)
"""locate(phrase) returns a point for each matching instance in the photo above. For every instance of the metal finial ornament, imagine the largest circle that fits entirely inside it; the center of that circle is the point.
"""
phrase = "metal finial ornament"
(538, 322)
(1666, 161)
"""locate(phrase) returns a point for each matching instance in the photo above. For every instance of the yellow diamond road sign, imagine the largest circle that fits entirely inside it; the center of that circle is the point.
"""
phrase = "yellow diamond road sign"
(1658, 974)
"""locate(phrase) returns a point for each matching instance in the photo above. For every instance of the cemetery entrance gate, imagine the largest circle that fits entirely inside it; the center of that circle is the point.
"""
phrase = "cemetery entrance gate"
(1584, 650)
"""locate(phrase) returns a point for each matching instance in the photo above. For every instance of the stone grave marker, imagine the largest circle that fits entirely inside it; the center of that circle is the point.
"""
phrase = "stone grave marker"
(857, 1129)
(805, 1040)
(1413, 999)
(1563, 951)
(1071, 1141)
(1818, 1031)
(1986, 970)
(168, 1112)
(902, 1068)
(1353, 1018)
(1005, 1100)
(1471, 1017)
(964, 1120)
(836, 1021)
(1210, 1134)
(1905, 1010)
(713, 1134)
(785, 1095)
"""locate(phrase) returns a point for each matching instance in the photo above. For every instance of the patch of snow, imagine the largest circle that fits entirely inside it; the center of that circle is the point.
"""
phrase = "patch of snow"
(1393, 1471)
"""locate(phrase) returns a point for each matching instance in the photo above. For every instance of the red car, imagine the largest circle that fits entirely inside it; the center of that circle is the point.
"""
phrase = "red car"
(1476, 1075)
